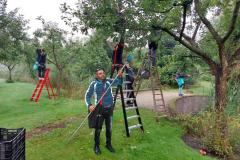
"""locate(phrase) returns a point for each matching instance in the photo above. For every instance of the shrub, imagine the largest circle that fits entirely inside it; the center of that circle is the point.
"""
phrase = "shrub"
(9, 81)
(234, 131)
(203, 126)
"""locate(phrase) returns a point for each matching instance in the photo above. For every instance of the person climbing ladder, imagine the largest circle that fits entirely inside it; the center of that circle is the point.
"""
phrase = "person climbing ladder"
(154, 37)
(41, 61)
(153, 52)
(130, 77)
(117, 57)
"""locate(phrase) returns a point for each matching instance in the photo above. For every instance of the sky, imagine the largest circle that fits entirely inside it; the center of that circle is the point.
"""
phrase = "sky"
(48, 9)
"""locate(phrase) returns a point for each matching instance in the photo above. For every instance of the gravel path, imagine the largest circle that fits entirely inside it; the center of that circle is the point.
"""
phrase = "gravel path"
(145, 99)
(2, 80)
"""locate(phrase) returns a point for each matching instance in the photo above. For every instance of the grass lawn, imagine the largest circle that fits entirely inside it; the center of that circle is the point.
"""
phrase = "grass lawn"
(160, 141)
(201, 88)
(18, 111)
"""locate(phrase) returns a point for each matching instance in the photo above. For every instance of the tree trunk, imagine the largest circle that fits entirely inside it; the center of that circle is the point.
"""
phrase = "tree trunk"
(220, 89)
(221, 98)
(10, 73)
(59, 80)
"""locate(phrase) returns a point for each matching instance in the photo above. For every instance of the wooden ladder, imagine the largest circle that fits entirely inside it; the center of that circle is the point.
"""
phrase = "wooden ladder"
(156, 87)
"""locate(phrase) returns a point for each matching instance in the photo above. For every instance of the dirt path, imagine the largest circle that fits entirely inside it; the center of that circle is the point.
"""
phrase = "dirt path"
(50, 127)
(2, 80)
(145, 99)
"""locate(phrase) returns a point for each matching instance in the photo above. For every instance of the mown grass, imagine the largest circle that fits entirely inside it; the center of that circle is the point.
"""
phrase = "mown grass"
(16, 109)
(160, 141)
(201, 88)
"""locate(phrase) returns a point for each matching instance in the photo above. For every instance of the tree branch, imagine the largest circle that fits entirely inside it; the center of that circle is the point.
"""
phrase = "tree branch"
(155, 11)
(233, 21)
(235, 56)
(51, 61)
(69, 60)
(184, 21)
(190, 40)
(12, 67)
(185, 5)
(196, 30)
(193, 48)
(207, 23)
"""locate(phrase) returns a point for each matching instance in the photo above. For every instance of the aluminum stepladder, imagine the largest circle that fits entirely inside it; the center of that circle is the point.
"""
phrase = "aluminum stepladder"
(130, 111)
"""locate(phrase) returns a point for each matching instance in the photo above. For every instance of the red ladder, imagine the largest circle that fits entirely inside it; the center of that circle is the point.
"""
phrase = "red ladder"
(41, 83)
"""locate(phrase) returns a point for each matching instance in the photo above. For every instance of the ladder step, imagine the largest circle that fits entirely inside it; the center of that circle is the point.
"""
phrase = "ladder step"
(131, 117)
(129, 108)
(128, 99)
(135, 126)
(158, 99)
(127, 82)
(128, 90)
(161, 110)
(160, 105)
(42, 89)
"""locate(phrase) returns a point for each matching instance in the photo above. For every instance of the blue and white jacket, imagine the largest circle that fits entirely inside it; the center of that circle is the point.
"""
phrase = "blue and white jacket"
(98, 87)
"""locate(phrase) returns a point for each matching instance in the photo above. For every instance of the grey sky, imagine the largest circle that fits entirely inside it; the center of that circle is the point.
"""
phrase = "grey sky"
(48, 9)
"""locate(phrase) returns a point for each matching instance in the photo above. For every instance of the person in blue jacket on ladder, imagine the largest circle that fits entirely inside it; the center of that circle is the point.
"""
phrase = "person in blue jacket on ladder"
(130, 77)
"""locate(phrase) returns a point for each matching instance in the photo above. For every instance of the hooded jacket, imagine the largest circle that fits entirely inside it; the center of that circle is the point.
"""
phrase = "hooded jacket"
(97, 88)
(41, 58)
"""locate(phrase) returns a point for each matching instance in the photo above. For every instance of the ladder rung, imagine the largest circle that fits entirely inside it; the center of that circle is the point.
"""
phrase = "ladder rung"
(127, 82)
(40, 88)
(160, 105)
(160, 111)
(127, 99)
(158, 99)
(160, 108)
(128, 90)
(131, 117)
(129, 108)
(135, 126)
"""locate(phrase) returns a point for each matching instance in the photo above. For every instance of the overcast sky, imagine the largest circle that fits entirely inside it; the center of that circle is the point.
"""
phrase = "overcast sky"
(48, 9)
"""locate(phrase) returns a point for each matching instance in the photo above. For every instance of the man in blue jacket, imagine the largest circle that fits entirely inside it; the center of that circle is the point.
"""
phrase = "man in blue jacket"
(104, 109)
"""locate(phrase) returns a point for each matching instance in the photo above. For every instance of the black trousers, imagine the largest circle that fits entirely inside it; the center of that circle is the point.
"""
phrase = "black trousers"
(106, 116)
(153, 55)
(41, 71)
(115, 67)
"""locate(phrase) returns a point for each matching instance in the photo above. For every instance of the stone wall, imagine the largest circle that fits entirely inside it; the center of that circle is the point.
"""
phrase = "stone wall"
(191, 104)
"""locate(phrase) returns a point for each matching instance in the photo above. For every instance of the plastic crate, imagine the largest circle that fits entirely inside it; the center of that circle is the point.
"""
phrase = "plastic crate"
(12, 144)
